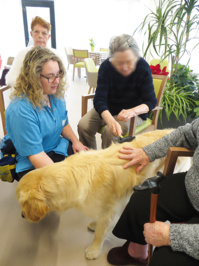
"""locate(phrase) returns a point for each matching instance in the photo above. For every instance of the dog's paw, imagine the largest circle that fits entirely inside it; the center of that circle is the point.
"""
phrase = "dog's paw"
(92, 252)
(92, 226)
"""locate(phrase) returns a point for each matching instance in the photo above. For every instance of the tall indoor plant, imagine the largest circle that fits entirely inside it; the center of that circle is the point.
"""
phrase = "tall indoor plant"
(169, 32)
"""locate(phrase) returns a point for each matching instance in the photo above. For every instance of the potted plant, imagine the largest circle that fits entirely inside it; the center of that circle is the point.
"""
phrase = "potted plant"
(180, 98)
(168, 31)
(92, 44)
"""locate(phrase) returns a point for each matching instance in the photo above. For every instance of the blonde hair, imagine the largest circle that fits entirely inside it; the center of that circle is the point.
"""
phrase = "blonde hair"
(28, 83)
(40, 21)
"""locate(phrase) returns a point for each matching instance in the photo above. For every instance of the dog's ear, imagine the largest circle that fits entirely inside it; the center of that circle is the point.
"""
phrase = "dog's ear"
(34, 209)
(33, 205)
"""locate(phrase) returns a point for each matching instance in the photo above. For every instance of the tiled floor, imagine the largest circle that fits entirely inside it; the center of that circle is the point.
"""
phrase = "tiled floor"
(57, 240)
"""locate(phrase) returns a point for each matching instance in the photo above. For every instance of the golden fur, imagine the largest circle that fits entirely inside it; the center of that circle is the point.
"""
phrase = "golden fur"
(93, 181)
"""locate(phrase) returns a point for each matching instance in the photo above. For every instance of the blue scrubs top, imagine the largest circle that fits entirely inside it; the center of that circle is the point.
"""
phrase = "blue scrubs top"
(33, 130)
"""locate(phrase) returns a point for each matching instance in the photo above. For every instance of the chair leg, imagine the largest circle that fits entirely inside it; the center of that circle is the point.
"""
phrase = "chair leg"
(93, 89)
(73, 72)
(89, 90)
(79, 72)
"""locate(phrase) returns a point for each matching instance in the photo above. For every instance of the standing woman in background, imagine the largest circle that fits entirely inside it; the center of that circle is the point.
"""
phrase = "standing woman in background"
(40, 32)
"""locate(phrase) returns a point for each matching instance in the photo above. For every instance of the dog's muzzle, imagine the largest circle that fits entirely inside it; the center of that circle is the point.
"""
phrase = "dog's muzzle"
(22, 215)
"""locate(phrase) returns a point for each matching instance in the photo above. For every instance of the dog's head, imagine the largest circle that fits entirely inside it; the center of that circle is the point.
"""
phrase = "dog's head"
(33, 202)
(33, 208)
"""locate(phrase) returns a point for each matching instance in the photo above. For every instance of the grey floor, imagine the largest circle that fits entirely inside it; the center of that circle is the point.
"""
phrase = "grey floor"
(58, 240)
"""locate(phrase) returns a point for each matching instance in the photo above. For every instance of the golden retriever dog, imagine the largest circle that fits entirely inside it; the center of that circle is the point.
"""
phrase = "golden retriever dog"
(94, 182)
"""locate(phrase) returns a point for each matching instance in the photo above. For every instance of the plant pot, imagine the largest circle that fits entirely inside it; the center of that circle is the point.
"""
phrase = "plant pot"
(92, 48)
(172, 122)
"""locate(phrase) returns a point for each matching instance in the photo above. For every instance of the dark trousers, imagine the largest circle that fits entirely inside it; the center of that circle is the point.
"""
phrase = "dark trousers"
(54, 156)
(173, 205)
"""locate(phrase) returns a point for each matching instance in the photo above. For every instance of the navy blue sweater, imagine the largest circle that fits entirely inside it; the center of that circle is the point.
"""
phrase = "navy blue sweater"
(115, 92)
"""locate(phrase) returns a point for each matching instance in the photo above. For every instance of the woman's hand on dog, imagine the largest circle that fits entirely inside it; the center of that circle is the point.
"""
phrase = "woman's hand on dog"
(136, 156)
(78, 146)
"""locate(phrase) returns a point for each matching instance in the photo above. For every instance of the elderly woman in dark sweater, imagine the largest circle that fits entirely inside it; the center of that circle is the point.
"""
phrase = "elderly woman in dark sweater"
(178, 202)
(124, 89)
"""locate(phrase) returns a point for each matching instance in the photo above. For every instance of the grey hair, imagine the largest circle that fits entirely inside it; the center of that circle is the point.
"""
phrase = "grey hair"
(123, 42)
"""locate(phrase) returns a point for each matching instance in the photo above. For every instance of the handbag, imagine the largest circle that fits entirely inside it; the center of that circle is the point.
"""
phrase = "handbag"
(7, 168)
(8, 162)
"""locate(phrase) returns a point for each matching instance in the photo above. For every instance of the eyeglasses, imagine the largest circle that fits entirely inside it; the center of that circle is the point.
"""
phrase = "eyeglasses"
(43, 33)
(52, 78)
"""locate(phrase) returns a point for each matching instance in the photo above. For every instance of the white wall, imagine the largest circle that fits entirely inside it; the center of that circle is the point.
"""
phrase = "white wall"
(76, 22)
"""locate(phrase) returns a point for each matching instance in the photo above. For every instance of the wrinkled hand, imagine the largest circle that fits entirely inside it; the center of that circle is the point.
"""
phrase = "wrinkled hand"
(125, 115)
(136, 156)
(115, 128)
(157, 234)
(78, 146)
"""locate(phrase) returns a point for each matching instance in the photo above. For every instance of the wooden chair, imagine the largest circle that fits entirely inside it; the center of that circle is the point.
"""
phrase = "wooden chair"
(159, 82)
(2, 107)
(91, 74)
(170, 162)
(79, 56)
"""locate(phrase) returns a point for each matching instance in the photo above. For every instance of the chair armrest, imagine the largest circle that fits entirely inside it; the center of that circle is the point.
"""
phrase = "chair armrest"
(85, 99)
(172, 156)
(2, 107)
(157, 108)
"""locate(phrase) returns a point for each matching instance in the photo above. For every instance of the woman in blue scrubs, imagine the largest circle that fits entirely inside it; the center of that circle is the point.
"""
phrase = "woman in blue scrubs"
(36, 119)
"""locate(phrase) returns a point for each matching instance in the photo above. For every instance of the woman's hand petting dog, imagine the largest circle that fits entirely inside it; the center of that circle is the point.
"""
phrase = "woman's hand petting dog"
(136, 156)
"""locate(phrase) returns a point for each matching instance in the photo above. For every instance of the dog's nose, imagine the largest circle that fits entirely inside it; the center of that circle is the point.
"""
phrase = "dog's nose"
(22, 215)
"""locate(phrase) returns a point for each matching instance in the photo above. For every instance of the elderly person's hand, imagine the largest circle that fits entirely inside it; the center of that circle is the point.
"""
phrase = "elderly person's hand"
(78, 146)
(115, 128)
(136, 156)
(157, 234)
(125, 115)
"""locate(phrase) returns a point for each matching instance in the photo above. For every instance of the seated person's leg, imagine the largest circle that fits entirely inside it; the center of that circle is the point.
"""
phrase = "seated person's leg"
(88, 125)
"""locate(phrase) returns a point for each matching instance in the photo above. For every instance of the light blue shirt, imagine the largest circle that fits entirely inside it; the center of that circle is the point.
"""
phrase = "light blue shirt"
(33, 130)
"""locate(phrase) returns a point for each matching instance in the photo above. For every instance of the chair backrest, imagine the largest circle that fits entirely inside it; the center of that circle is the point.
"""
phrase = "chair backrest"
(104, 49)
(70, 57)
(2, 107)
(91, 73)
(80, 53)
(163, 63)
(159, 82)
(172, 156)
(10, 60)
(90, 65)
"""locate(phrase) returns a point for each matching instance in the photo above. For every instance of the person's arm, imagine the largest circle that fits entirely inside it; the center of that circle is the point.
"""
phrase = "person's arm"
(113, 125)
(185, 238)
(40, 160)
(125, 115)
(68, 133)
(184, 136)
(101, 98)
(101, 94)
